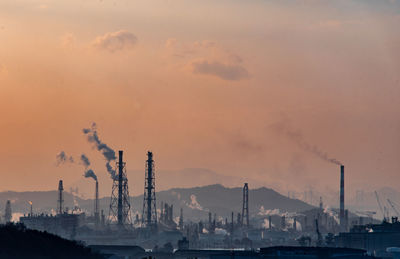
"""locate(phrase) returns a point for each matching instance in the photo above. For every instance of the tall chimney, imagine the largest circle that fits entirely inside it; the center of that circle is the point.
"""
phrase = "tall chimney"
(150, 190)
(245, 207)
(270, 222)
(342, 216)
(60, 197)
(120, 176)
(96, 205)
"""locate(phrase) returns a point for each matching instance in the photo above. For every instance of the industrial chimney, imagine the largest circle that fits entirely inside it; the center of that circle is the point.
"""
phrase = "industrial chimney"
(8, 212)
(245, 205)
(96, 205)
(342, 216)
(60, 207)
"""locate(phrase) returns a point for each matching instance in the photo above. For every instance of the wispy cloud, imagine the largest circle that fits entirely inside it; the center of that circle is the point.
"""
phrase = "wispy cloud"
(115, 41)
(221, 70)
(208, 58)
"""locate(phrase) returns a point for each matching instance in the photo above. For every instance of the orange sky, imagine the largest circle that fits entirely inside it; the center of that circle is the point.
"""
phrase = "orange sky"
(202, 84)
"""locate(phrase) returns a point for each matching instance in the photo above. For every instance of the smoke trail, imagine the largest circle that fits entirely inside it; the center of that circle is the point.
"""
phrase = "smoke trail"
(108, 153)
(62, 158)
(90, 174)
(85, 160)
(297, 137)
(86, 163)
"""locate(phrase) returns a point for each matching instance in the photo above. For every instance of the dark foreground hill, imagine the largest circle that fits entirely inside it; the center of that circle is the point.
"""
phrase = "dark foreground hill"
(196, 202)
(18, 242)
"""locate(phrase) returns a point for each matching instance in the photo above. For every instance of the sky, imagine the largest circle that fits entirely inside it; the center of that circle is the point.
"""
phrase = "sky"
(265, 91)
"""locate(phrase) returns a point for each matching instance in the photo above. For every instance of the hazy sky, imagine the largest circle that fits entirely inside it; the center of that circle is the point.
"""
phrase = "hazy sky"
(242, 88)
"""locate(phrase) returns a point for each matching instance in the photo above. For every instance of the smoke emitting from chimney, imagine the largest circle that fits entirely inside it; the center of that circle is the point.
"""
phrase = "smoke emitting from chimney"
(63, 158)
(297, 137)
(85, 160)
(107, 152)
(90, 174)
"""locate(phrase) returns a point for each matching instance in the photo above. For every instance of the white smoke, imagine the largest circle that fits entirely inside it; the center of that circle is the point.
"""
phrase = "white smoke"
(332, 214)
(270, 212)
(194, 204)
(265, 224)
(263, 212)
(15, 216)
(220, 231)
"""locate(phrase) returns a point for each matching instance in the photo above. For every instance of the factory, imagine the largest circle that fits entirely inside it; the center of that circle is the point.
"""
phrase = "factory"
(159, 230)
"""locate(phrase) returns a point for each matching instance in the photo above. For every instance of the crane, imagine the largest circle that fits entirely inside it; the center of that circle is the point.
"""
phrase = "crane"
(380, 207)
(393, 207)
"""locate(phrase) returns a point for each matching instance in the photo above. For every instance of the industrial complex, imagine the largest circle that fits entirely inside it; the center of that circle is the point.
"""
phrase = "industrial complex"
(158, 233)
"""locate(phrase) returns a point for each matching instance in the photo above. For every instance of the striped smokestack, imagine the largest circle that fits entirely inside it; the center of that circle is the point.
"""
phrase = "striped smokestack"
(342, 216)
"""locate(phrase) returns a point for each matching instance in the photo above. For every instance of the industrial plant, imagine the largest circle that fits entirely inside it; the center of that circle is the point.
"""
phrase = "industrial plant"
(158, 229)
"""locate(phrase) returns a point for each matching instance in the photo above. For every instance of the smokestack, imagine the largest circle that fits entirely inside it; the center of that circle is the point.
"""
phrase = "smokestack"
(342, 216)
(120, 175)
(8, 212)
(30, 203)
(270, 222)
(245, 208)
(60, 197)
(232, 226)
(96, 205)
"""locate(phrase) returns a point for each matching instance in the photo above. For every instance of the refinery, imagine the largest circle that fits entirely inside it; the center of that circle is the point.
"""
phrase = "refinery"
(157, 230)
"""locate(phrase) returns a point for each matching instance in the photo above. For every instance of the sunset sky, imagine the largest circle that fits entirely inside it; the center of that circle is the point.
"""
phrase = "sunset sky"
(241, 88)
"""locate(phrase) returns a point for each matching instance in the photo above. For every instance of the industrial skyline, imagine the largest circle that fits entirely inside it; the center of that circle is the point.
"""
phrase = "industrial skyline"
(200, 129)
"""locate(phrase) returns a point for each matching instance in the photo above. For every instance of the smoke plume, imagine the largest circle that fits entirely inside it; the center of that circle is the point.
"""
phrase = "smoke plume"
(108, 153)
(62, 158)
(85, 160)
(86, 163)
(297, 137)
(90, 174)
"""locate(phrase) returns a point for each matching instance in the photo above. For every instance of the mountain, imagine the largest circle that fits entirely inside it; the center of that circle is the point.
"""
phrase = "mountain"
(196, 202)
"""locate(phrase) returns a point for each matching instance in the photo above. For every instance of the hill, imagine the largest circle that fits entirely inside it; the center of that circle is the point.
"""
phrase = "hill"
(18, 242)
(195, 202)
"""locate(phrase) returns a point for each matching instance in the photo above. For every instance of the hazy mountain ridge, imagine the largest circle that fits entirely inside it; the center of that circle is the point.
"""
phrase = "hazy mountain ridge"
(195, 202)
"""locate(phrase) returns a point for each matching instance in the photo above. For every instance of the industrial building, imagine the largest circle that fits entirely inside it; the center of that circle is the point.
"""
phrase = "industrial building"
(374, 238)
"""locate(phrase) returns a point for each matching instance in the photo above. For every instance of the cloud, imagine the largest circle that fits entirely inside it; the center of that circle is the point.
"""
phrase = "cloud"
(115, 41)
(206, 58)
(233, 72)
